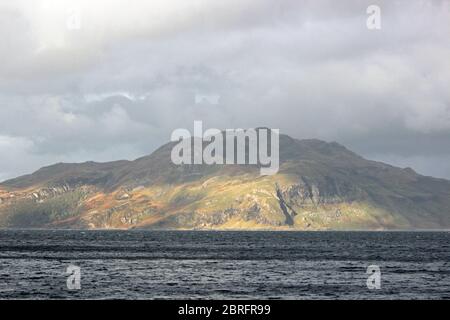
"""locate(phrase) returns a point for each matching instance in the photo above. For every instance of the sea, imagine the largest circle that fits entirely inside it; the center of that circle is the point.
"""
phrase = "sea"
(139, 264)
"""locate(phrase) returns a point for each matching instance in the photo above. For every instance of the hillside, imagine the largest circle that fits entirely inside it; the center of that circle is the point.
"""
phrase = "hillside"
(319, 186)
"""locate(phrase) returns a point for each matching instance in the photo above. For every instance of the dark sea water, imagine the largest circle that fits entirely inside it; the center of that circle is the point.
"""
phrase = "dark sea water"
(224, 265)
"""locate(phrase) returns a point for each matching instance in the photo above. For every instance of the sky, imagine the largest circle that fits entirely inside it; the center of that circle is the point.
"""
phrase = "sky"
(104, 80)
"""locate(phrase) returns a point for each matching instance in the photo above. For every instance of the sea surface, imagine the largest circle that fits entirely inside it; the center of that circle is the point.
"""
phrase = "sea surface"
(223, 265)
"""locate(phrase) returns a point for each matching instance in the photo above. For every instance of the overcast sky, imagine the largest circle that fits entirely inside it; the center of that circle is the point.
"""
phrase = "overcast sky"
(106, 79)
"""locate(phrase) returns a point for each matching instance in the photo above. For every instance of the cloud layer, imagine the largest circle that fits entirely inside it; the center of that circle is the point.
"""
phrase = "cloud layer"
(111, 79)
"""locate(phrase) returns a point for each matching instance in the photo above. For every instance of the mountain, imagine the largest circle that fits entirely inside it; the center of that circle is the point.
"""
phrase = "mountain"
(320, 186)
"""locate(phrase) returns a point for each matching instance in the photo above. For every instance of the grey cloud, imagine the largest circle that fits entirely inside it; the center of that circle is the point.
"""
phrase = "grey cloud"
(117, 87)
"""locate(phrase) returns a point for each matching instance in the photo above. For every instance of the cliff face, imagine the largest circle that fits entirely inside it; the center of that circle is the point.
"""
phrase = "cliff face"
(319, 186)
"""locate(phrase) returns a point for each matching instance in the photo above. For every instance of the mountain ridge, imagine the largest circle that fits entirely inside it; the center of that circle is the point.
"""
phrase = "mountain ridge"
(320, 186)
